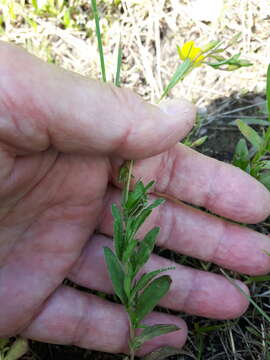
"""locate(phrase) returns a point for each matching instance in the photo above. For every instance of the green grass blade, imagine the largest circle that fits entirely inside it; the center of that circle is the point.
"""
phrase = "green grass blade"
(119, 65)
(263, 313)
(268, 91)
(98, 34)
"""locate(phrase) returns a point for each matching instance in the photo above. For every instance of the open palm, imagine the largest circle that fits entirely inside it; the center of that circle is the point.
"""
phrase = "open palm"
(62, 141)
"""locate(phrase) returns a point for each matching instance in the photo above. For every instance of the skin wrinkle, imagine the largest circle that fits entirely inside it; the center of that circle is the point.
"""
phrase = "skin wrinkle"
(79, 329)
(79, 263)
(98, 314)
(188, 296)
(6, 170)
(220, 241)
(30, 191)
(35, 314)
(165, 218)
(37, 134)
(163, 168)
(55, 285)
(211, 196)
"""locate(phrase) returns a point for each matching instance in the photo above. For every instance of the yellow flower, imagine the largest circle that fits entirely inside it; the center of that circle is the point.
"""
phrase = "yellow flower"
(189, 51)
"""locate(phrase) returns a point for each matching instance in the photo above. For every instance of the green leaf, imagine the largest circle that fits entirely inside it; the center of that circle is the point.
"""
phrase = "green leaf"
(150, 332)
(99, 40)
(119, 64)
(116, 274)
(67, 18)
(17, 349)
(129, 250)
(129, 276)
(268, 91)
(257, 279)
(151, 296)
(265, 179)
(137, 198)
(35, 4)
(199, 141)
(163, 352)
(265, 165)
(241, 155)
(143, 215)
(118, 232)
(251, 121)
(3, 343)
(250, 134)
(146, 247)
(179, 74)
(146, 278)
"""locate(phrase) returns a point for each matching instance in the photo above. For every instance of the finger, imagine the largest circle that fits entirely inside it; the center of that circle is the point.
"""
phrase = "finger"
(192, 291)
(42, 105)
(195, 233)
(40, 250)
(70, 317)
(195, 178)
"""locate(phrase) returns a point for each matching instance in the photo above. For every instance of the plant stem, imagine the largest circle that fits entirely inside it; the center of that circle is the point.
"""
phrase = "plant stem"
(131, 337)
(127, 184)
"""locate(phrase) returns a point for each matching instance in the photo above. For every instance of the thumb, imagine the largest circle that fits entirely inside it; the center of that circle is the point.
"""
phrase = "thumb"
(42, 105)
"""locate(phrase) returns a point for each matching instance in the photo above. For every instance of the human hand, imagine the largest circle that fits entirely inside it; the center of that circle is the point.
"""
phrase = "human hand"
(62, 141)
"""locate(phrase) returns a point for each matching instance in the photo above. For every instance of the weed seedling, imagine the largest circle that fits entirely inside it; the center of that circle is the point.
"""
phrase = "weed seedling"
(255, 160)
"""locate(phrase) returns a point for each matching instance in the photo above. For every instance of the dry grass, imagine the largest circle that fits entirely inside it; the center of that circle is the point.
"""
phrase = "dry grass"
(150, 30)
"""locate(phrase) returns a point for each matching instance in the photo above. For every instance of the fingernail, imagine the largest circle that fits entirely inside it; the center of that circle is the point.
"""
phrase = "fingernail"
(176, 107)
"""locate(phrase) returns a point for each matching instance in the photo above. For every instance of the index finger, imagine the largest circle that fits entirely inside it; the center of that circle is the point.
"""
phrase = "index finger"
(223, 189)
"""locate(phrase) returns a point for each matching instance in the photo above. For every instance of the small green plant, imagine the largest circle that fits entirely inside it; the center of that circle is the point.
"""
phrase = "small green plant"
(140, 292)
(13, 351)
(255, 160)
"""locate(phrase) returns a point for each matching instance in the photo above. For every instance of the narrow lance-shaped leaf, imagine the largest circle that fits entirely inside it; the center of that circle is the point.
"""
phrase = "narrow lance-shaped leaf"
(150, 332)
(164, 352)
(119, 64)
(250, 134)
(266, 165)
(3, 343)
(151, 296)
(143, 215)
(99, 39)
(146, 247)
(118, 232)
(116, 274)
(130, 248)
(146, 278)
(241, 155)
(265, 179)
(137, 199)
(17, 349)
(128, 280)
(179, 74)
